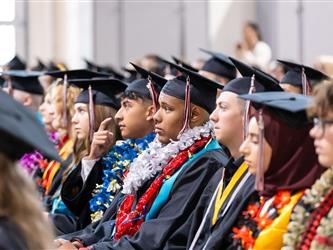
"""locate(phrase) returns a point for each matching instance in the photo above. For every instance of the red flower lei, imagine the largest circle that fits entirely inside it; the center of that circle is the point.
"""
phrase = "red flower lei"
(128, 222)
(253, 221)
(313, 223)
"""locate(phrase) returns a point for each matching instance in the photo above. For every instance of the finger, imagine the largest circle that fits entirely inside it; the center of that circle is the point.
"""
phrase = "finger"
(104, 124)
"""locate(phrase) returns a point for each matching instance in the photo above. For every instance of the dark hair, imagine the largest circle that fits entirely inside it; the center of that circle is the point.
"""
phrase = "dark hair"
(256, 28)
(135, 96)
(322, 102)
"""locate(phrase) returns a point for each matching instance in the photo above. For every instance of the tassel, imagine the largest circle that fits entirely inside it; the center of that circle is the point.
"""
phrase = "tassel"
(187, 110)
(260, 167)
(247, 108)
(10, 87)
(305, 84)
(91, 114)
(65, 119)
(153, 94)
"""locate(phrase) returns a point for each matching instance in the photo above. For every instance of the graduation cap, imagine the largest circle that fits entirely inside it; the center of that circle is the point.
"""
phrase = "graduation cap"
(76, 74)
(20, 132)
(16, 64)
(98, 91)
(40, 66)
(219, 64)
(150, 86)
(268, 82)
(26, 81)
(298, 75)
(183, 64)
(288, 107)
(133, 75)
(200, 90)
(104, 69)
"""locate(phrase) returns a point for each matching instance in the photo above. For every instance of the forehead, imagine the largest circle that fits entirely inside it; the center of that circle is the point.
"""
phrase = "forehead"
(171, 100)
(228, 97)
(253, 126)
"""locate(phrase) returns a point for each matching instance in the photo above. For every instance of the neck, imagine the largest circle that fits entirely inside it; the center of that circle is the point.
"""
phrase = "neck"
(234, 150)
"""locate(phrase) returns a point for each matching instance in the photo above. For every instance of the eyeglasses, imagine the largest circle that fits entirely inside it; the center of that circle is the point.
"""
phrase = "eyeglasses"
(322, 124)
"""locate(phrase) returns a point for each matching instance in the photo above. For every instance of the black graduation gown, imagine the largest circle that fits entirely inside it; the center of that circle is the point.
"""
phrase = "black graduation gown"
(183, 198)
(213, 236)
(76, 196)
(10, 236)
(55, 185)
(179, 239)
(102, 230)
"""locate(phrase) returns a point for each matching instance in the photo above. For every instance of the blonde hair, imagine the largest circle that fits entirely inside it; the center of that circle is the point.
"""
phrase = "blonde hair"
(82, 147)
(19, 202)
(56, 93)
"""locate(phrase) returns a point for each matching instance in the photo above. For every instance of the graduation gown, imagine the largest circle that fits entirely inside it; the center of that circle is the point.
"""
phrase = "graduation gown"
(212, 236)
(10, 236)
(183, 198)
(76, 195)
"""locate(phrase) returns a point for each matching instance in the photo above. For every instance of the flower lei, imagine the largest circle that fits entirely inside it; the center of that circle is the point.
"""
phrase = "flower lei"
(254, 219)
(115, 164)
(129, 221)
(31, 162)
(158, 155)
(311, 224)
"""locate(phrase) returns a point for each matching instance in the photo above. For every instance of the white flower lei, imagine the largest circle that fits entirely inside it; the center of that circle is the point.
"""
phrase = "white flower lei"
(311, 198)
(158, 155)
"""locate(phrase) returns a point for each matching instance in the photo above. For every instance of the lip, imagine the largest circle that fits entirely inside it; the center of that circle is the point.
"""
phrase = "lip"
(247, 162)
(216, 128)
(121, 127)
(158, 130)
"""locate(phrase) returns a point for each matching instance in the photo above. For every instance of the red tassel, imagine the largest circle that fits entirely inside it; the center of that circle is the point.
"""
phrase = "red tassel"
(91, 114)
(153, 94)
(187, 110)
(260, 167)
(305, 84)
(65, 120)
(247, 109)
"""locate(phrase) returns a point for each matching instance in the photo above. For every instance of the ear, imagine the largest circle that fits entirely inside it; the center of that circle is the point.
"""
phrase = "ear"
(150, 111)
(195, 115)
(27, 100)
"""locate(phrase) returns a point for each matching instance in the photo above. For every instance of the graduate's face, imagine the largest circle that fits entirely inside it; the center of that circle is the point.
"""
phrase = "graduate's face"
(80, 120)
(169, 118)
(228, 119)
(47, 111)
(322, 133)
(290, 88)
(250, 148)
(135, 118)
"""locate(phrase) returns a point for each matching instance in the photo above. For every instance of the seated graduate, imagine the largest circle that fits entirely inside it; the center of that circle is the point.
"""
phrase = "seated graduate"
(230, 110)
(312, 219)
(180, 163)
(22, 224)
(300, 79)
(279, 152)
(95, 134)
(135, 120)
(61, 109)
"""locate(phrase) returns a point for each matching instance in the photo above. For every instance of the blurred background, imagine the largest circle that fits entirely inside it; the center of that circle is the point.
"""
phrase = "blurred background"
(111, 32)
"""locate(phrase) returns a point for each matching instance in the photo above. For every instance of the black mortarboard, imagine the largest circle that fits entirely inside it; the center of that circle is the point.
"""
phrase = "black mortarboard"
(40, 66)
(289, 107)
(104, 69)
(183, 64)
(23, 80)
(76, 74)
(20, 132)
(219, 64)
(16, 64)
(263, 81)
(132, 74)
(202, 90)
(104, 90)
(294, 74)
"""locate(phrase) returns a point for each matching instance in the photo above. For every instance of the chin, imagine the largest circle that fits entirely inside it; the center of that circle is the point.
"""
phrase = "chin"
(325, 161)
(163, 139)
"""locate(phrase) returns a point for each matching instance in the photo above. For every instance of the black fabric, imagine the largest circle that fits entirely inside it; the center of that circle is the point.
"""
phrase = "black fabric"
(19, 126)
(76, 196)
(10, 236)
(16, 63)
(24, 81)
(242, 86)
(184, 196)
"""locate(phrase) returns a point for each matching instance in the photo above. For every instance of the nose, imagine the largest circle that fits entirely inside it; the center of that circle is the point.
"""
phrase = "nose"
(119, 116)
(157, 116)
(316, 132)
(74, 118)
(213, 116)
(243, 149)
